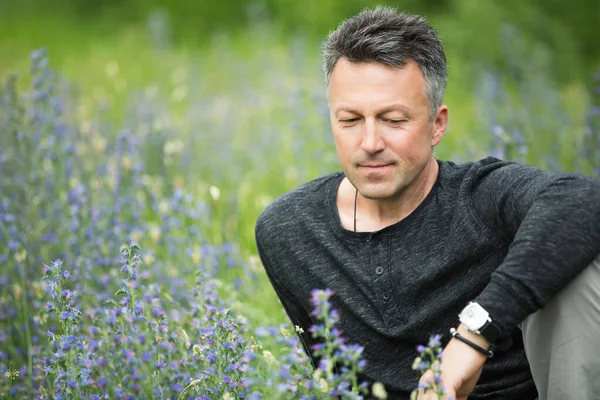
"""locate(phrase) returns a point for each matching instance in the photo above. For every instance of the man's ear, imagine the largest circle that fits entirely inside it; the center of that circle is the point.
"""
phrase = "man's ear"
(440, 124)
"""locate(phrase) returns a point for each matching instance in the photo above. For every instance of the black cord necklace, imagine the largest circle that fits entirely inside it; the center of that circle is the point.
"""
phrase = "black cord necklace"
(355, 199)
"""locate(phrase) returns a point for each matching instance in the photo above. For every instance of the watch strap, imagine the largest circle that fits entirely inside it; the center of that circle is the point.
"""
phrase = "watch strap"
(490, 331)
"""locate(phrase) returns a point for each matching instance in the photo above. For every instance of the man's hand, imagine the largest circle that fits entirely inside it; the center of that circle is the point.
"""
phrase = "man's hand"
(461, 367)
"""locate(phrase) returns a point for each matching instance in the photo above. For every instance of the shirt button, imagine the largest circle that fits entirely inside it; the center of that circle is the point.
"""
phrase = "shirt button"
(386, 296)
(379, 270)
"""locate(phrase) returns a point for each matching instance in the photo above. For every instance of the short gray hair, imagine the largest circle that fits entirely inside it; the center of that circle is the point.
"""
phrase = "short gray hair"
(384, 35)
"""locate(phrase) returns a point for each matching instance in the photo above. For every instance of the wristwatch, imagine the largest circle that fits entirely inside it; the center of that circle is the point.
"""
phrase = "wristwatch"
(476, 319)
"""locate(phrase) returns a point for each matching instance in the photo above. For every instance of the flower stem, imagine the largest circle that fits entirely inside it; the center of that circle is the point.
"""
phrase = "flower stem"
(27, 333)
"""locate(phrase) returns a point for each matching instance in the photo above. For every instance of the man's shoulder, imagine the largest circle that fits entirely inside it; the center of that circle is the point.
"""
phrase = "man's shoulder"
(475, 166)
(488, 167)
(299, 203)
(493, 172)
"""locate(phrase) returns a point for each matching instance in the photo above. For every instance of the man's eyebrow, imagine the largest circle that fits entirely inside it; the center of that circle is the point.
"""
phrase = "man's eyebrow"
(347, 109)
(404, 110)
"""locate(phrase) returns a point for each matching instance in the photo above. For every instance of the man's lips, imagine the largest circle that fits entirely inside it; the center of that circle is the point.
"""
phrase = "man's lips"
(374, 166)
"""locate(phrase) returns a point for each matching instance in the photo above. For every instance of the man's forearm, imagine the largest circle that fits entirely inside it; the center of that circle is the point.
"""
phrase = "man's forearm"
(558, 237)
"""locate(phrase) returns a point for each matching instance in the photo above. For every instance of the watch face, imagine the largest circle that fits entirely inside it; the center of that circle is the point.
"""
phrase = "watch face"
(473, 316)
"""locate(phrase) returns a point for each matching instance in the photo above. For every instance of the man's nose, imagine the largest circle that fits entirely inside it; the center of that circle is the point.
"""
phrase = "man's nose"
(372, 141)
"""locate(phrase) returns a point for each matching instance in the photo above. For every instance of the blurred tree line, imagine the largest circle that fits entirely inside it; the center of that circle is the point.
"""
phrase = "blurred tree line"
(569, 29)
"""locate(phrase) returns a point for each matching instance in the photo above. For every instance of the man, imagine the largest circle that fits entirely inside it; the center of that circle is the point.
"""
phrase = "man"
(408, 242)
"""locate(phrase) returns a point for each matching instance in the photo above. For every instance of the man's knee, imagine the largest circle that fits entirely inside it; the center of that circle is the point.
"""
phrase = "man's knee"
(577, 306)
(562, 341)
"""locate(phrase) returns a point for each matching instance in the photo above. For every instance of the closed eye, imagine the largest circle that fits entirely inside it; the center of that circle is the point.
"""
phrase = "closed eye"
(396, 121)
(348, 121)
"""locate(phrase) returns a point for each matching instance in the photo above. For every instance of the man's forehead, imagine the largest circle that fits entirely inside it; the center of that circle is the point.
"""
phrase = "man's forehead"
(352, 77)
(357, 87)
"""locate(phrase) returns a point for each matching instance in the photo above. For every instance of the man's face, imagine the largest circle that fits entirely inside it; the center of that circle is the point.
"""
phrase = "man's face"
(380, 123)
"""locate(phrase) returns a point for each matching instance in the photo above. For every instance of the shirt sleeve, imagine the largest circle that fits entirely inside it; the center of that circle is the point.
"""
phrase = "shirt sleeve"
(551, 225)
(294, 309)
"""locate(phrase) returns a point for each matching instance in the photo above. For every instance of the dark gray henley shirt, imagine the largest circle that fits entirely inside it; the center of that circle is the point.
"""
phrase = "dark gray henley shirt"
(506, 235)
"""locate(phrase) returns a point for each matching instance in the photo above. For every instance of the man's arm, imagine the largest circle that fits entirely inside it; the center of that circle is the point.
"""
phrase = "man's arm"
(552, 225)
(297, 314)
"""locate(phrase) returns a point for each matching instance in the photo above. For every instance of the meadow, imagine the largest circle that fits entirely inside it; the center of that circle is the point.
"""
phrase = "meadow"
(132, 172)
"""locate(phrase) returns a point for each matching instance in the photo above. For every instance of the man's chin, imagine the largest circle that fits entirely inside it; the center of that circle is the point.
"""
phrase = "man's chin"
(377, 191)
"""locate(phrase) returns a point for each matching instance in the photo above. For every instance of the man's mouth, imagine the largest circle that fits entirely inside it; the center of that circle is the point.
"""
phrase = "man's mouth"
(374, 166)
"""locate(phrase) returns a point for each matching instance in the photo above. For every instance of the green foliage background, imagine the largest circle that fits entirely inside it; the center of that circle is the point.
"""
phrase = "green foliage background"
(569, 29)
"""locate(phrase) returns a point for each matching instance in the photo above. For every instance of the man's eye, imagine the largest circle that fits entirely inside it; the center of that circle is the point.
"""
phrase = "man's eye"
(348, 121)
(396, 121)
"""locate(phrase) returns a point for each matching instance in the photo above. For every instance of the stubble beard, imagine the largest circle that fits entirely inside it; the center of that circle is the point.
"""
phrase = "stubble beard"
(383, 189)
(406, 173)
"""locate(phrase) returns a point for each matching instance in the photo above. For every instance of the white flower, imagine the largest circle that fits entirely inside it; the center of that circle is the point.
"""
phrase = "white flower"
(379, 391)
(324, 385)
(284, 332)
(215, 192)
(186, 339)
(171, 147)
(155, 232)
(416, 363)
(269, 357)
